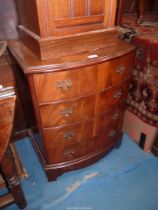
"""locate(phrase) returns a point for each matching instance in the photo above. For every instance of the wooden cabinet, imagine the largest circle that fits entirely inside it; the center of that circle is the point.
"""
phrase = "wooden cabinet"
(79, 100)
(56, 17)
(50, 22)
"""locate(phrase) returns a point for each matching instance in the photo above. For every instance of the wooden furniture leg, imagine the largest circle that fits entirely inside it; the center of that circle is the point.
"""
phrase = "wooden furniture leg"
(9, 173)
(140, 11)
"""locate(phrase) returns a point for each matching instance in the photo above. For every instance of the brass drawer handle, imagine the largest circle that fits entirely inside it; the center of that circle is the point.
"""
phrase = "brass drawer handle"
(115, 116)
(69, 153)
(117, 94)
(120, 69)
(66, 112)
(112, 133)
(69, 134)
(64, 85)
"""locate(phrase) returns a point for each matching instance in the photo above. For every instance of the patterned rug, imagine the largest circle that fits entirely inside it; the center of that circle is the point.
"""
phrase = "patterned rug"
(143, 96)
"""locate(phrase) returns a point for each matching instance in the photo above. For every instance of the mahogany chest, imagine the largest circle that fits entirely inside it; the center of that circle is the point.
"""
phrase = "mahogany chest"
(79, 100)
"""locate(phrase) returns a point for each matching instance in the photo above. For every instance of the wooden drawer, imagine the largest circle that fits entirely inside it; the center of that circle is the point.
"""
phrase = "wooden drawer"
(71, 111)
(68, 153)
(67, 112)
(121, 68)
(75, 151)
(108, 137)
(69, 142)
(112, 96)
(114, 71)
(110, 120)
(79, 82)
(109, 127)
(66, 84)
(68, 135)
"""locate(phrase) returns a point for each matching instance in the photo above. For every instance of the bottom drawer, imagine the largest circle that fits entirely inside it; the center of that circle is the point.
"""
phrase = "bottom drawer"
(75, 151)
(108, 137)
(71, 152)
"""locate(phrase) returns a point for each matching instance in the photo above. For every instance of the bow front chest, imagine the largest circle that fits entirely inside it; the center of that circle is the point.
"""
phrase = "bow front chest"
(79, 100)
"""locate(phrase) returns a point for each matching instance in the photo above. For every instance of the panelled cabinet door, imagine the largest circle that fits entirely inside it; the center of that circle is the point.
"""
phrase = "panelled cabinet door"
(49, 27)
(74, 16)
(63, 17)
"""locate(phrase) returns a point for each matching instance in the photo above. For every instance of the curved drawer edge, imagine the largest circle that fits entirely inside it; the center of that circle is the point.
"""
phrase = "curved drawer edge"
(55, 170)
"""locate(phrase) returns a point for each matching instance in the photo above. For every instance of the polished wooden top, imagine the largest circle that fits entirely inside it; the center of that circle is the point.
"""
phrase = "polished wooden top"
(94, 48)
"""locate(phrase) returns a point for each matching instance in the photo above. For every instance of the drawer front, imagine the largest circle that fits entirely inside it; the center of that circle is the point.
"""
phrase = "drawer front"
(108, 137)
(68, 153)
(65, 85)
(109, 127)
(112, 96)
(75, 110)
(68, 84)
(110, 120)
(68, 135)
(70, 142)
(117, 70)
(67, 112)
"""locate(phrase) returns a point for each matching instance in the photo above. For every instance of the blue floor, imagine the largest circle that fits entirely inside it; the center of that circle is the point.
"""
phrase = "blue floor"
(125, 179)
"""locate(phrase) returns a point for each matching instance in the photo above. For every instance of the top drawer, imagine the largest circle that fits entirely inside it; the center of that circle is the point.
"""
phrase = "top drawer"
(62, 85)
(66, 84)
(117, 69)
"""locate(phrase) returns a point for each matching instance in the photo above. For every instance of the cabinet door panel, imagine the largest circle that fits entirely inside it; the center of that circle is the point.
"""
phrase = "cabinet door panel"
(75, 16)
(80, 8)
(97, 8)
(61, 9)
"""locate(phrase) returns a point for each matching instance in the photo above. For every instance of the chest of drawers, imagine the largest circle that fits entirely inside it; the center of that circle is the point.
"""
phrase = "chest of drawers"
(79, 102)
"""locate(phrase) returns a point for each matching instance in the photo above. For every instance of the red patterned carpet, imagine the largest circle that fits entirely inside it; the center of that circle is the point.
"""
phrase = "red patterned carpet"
(143, 97)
